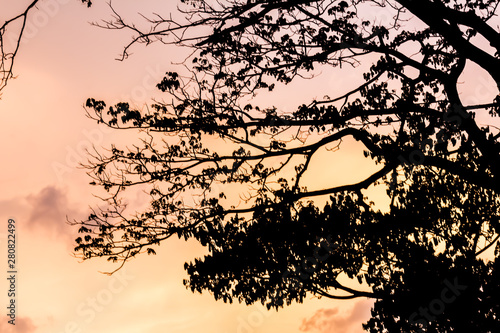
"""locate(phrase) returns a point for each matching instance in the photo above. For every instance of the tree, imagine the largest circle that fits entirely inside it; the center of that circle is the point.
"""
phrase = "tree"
(11, 36)
(420, 259)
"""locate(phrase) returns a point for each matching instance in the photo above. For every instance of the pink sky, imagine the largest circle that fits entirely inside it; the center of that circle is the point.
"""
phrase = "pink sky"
(43, 132)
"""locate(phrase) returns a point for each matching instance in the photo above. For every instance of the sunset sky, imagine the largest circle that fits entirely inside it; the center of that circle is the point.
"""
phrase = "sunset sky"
(63, 60)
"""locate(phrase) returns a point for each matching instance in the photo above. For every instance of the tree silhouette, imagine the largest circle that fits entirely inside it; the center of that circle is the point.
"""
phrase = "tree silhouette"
(419, 259)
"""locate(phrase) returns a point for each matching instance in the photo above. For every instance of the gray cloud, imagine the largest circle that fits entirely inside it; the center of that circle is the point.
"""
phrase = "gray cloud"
(331, 321)
(49, 210)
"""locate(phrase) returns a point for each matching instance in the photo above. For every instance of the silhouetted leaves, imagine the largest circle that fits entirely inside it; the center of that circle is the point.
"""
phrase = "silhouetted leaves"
(228, 173)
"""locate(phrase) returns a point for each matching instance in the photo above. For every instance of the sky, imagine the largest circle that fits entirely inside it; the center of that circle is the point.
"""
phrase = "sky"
(44, 132)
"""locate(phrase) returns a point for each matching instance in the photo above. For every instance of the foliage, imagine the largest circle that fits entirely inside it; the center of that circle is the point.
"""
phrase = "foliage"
(441, 168)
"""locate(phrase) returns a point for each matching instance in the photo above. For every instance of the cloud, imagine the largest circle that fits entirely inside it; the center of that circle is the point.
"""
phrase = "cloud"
(23, 324)
(49, 210)
(331, 321)
(45, 213)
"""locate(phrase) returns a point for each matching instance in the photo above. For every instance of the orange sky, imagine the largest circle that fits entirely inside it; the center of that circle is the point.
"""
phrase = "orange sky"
(43, 132)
